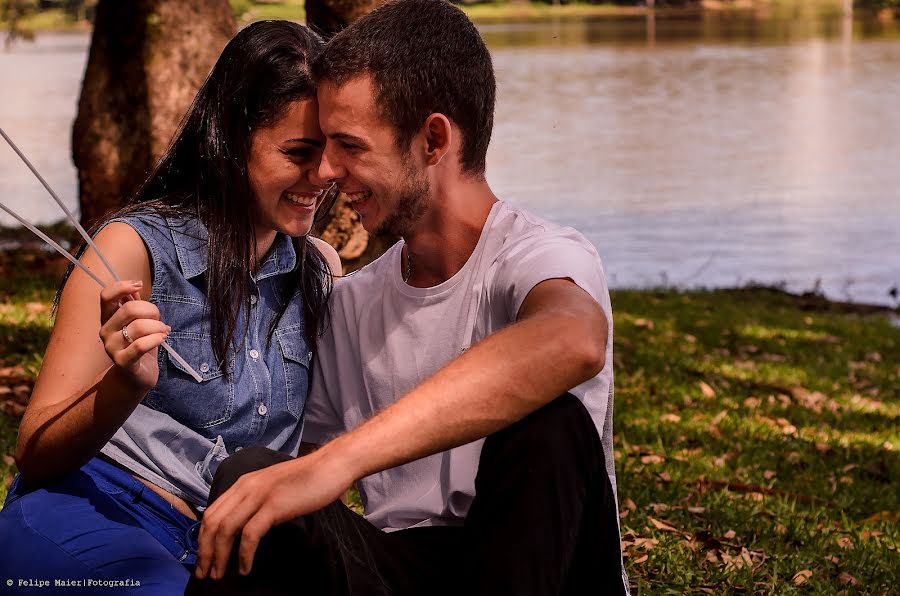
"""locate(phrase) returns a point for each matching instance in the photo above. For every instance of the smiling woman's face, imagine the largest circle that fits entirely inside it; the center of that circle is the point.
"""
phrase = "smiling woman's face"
(283, 169)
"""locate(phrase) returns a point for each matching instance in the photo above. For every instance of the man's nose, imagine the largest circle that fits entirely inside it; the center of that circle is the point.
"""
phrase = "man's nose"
(328, 172)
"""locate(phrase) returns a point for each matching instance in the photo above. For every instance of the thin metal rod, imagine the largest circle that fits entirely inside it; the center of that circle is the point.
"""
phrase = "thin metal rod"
(53, 243)
(81, 230)
(188, 368)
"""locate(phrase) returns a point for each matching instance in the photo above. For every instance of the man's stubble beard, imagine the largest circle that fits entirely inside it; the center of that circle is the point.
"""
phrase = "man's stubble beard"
(412, 202)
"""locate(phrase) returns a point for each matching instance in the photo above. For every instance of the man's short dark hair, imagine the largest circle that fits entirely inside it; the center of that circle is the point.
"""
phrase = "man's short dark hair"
(425, 57)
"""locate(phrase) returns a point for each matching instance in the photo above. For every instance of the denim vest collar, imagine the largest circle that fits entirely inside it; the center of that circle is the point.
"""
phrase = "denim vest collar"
(191, 240)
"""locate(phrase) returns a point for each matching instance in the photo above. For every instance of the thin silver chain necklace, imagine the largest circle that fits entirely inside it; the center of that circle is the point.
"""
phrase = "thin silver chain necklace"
(408, 271)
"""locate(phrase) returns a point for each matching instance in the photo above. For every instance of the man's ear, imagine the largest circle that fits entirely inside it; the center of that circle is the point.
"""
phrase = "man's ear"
(438, 137)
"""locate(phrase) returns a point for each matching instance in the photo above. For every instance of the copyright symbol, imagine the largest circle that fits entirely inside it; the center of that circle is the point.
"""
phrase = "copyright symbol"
(9, 582)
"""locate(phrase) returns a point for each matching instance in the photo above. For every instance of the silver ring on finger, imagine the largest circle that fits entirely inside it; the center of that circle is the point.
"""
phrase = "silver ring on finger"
(126, 336)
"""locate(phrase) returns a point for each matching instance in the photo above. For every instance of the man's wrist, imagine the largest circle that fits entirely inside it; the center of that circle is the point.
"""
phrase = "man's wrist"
(338, 455)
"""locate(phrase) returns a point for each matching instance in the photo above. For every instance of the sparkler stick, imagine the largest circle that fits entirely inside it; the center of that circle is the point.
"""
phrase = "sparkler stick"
(190, 370)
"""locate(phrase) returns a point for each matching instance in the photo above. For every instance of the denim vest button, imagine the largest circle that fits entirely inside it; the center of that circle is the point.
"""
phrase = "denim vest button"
(253, 300)
(204, 367)
(262, 409)
(238, 448)
(254, 354)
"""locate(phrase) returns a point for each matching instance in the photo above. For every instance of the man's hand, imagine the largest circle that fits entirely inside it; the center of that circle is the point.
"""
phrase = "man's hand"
(261, 500)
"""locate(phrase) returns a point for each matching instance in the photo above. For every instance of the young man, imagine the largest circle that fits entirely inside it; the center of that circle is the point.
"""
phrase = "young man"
(465, 381)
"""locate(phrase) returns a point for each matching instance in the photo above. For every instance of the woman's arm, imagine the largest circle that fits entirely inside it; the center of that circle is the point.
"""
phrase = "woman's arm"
(81, 397)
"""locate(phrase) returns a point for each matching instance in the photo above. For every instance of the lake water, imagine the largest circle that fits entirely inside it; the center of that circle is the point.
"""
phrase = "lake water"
(707, 150)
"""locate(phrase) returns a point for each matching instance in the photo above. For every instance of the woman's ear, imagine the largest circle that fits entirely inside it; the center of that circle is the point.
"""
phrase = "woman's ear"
(438, 137)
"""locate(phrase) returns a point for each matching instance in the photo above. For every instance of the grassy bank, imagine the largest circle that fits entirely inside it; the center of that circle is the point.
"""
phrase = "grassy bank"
(757, 434)
(247, 12)
(501, 11)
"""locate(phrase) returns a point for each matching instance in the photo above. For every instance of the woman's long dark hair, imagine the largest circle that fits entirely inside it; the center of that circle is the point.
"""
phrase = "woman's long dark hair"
(203, 174)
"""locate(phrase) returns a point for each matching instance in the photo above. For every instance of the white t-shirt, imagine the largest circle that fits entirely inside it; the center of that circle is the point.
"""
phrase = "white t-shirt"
(387, 337)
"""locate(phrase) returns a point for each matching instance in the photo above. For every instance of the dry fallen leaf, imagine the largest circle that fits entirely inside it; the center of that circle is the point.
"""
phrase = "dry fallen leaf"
(670, 418)
(665, 476)
(845, 542)
(696, 509)
(628, 504)
(640, 560)
(661, 525)
(888, 516)
(847, 579)
(707, 390)
(866, 535)
(801, 577)
(34, 308)
(9, 460)
(711, 556)
(644, 323)
(645, 543)
(729, 535)
(719, 417)
(652, 459)
(769, 474)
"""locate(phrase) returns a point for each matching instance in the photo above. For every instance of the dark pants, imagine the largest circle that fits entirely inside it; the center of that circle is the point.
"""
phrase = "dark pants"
(543, 522)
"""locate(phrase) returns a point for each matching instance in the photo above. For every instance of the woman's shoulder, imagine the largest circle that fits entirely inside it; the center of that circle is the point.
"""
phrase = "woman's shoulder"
(120, 237)
(330, 254)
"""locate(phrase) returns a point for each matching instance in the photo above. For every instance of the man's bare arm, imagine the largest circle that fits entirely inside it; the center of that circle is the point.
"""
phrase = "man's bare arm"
(557, 343)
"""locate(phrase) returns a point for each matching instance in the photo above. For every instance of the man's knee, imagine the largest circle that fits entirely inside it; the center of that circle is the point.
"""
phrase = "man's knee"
(560, 430)
(243, 462)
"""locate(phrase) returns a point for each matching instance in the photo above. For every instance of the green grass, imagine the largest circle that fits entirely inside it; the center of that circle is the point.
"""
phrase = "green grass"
(246, 11)
(507, 12)
(757, 435)
(27, 286)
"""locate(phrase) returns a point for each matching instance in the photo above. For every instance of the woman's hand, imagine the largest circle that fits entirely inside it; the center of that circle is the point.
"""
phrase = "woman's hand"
(131, 331)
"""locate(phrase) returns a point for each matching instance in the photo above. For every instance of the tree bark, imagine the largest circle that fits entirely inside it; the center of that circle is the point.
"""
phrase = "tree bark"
(341, 227)
(147, 60)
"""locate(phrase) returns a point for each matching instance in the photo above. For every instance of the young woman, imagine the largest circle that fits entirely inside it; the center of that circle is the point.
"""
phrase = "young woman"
(119, 443)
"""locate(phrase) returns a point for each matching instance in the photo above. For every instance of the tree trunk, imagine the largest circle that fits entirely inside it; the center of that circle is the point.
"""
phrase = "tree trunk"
(341, 227)
(147, 60)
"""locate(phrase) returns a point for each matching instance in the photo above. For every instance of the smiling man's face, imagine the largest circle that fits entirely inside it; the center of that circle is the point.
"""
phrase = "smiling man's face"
(388, 187)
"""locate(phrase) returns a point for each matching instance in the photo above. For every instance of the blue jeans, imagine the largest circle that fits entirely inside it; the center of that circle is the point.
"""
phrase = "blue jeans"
(95, 530)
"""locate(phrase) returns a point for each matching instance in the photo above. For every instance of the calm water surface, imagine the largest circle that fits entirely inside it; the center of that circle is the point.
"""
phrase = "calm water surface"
(703, 151)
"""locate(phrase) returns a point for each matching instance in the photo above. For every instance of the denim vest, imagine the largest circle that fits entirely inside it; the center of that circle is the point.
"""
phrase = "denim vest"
(183, 429)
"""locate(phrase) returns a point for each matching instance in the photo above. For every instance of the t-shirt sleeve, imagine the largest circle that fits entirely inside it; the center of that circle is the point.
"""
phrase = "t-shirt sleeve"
(535, 259)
